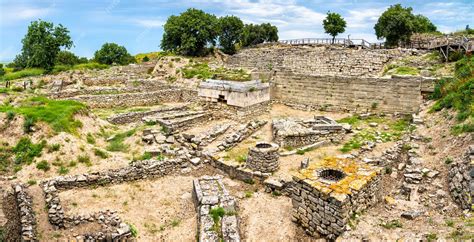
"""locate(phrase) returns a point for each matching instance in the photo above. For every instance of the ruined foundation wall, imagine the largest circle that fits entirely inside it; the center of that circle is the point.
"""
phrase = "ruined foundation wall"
(319, 213)
(396, 94)
(137, 99)
(321, 60)
(461, 180)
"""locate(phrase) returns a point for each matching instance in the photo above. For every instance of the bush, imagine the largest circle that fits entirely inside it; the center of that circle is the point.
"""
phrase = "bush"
(90, 139)
(100, 153)
(43, 165)
(145, 59)
(63, 170)
(456, 93)
(84, 159)
(10, 115)
(25, 151)
(54, 147)
(116, 143)
(90, 66)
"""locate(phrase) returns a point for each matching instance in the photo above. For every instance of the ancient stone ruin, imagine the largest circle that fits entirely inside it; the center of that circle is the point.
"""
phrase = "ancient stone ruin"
(212, 198)
(263, 157)
(298, 132)
(327, 192)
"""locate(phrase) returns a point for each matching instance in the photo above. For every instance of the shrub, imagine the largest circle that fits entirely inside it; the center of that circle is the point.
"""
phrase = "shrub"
(10, 115)
(43, 165)
(90, 139)
(133, 230)
(84, 159)
(54, 147)
(31, 182)
(63, 170)
(392, 224)
(25, 151)
(116, 143)
(145, 59)
(100, 153)
(217, 214)
(28, 125)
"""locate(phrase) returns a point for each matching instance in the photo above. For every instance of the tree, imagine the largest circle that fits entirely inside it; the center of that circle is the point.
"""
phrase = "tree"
(190, 32)
(113, 53)
(257, 34)
(334, 24)
(41, 45)
(2, 71)
(230, 33)
(422, 24)
(397, 24)
(67, 58)
(145, 59)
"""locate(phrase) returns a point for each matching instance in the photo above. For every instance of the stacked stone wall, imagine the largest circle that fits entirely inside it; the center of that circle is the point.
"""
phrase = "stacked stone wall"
(461, 180)
(357, 94)
(137, 99)
(320, 213)
(26, 215)
(310, 60)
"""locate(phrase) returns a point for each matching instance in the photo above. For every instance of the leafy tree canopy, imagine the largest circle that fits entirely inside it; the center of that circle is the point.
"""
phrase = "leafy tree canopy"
(397, 24)
(189, 32)
(257, 34)
(113, 53)
(41, 45)
(67, 58)
(334, 24)
(230, 33)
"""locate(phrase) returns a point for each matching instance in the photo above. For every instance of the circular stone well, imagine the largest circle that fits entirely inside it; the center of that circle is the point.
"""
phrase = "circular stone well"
(331, 175)
(264, 157)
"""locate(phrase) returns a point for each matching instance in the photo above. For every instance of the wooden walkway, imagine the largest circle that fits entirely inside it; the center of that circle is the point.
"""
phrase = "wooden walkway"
(338, 41)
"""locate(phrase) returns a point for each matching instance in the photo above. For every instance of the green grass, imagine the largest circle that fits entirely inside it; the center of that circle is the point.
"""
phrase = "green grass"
(100, 153)
(395, 130)
(59, 114)
(392, 224)
(117, 142)
(203, 71)
(457, 93)
(406, 70)
(26, 151)
(43, 165)
(24, 73)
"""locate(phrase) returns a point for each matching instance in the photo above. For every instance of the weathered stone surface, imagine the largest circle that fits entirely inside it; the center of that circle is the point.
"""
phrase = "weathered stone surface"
(461, 180)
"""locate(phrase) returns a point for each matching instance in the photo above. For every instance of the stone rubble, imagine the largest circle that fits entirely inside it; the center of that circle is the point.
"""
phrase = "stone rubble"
(210, 193)
(244, 132)
(27, 216)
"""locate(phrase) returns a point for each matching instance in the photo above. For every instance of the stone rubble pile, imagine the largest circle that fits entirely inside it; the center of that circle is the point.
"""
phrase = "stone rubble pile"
(461, 180)
(210, 196)
(27, 216)
(244, 132)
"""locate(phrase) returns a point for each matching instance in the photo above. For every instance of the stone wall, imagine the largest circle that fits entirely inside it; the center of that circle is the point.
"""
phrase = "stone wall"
(356, 94)
(461, 180)
(210, 193)
(220, 110)
(24, 204)
(137, 99)
(114, 227)
(311, 60)
(264, 157)
(125, 118)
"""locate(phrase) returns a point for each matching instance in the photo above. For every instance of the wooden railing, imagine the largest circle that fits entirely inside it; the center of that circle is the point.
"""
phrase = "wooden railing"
(337, 41)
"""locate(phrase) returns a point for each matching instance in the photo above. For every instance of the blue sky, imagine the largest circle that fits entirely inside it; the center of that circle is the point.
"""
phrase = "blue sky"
(138, 25)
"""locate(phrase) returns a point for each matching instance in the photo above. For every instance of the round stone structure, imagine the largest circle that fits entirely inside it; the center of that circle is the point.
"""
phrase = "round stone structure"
(264, 157)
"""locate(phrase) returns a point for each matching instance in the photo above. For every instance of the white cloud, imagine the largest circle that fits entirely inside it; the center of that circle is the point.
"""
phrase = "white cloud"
(20, 13)
(149, 23)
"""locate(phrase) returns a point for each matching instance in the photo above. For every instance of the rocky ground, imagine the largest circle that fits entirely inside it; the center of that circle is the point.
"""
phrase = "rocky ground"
(416, 201)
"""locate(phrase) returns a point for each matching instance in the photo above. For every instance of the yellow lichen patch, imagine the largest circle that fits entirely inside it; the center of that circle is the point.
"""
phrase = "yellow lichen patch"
(357, 175)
